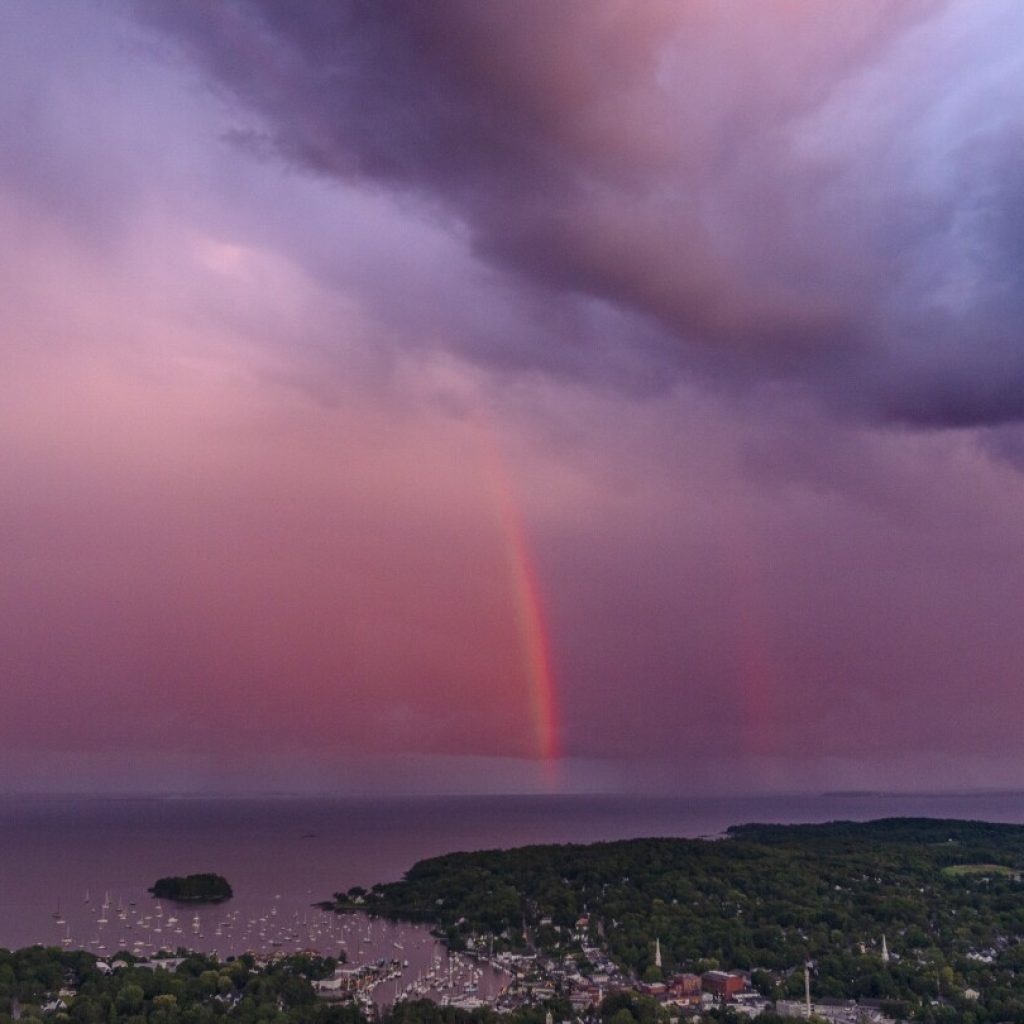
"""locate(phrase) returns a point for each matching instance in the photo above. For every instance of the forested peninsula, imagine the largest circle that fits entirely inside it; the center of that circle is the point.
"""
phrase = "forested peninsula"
(946, 896)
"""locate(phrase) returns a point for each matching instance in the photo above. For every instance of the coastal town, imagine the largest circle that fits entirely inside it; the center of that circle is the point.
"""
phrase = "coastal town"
(532, 979)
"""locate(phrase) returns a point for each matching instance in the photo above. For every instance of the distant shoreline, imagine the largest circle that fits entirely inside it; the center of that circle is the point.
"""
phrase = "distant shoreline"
(404, 798)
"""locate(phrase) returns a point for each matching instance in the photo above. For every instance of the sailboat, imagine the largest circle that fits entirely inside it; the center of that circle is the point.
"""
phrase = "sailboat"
(58, 916)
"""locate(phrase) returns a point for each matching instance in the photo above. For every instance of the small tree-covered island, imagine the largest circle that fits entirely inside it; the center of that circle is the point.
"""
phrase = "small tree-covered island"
(202, 888)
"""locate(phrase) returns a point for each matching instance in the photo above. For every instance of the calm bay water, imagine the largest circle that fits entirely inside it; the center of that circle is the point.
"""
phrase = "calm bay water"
(283, 855)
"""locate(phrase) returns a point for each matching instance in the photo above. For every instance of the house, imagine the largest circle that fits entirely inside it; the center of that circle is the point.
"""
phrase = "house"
(750, 1004)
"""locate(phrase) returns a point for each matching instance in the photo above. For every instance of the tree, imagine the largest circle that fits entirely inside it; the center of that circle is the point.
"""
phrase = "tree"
(130, 999)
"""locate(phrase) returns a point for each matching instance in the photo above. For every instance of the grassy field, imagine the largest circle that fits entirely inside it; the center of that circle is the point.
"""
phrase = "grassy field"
(955, 870)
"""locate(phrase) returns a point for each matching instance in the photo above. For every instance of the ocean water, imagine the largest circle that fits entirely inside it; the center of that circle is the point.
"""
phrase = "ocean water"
(67, 855)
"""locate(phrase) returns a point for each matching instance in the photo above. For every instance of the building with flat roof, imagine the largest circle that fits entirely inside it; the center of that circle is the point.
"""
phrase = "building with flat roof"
(722, 984)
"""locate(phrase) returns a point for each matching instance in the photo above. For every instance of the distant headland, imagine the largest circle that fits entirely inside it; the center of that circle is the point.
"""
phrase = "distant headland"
(203, 888)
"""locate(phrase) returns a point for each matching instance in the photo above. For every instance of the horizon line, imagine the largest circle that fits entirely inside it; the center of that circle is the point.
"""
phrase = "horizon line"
(632, 794)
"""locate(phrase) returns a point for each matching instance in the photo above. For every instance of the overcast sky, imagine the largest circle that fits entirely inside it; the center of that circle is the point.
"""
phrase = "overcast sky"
(354, 358)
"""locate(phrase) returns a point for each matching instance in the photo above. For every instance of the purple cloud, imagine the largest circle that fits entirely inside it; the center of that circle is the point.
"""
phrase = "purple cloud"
(784, 192)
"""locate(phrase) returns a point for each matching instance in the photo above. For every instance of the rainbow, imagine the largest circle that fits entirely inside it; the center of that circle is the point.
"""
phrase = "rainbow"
(529, 610)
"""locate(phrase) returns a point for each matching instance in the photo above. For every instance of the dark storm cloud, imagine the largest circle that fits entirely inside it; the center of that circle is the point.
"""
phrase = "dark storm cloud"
(780, 190)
